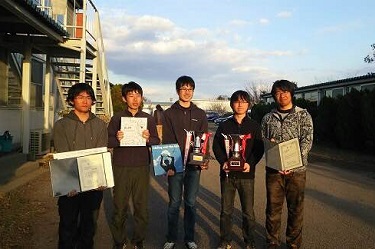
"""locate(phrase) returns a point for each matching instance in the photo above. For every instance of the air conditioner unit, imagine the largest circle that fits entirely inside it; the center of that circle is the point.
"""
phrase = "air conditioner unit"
(39, 142)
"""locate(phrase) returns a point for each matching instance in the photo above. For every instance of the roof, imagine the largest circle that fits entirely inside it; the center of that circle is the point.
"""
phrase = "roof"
(18, 16)
(368, 78)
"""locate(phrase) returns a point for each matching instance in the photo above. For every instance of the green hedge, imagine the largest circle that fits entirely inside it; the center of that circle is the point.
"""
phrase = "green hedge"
(346, 122)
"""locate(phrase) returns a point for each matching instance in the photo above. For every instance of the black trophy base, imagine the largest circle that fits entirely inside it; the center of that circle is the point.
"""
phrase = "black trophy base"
(197, 158)
(236, 164)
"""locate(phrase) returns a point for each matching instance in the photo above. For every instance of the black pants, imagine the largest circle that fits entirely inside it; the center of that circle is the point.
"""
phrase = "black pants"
(292, 188)
(245, 189)
(78, 216)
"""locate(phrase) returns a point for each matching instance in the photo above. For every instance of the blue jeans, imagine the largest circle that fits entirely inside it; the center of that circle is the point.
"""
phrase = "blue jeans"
(292, 188)
(245, 189)
(186, 183)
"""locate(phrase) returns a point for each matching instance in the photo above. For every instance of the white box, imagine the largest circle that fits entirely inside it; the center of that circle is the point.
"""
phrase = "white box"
(89, 171)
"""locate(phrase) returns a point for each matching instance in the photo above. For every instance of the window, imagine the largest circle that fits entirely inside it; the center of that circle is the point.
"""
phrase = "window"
(60, 19)
(36, 90)
(337, 92)
(328, 93)
(311, 96)
(368, 87)
(298, 95)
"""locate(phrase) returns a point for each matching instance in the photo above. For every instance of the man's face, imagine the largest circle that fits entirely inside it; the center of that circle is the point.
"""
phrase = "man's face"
(133, 100)
(82, 102)
(185, 93)
(240, 106)
(283, 98)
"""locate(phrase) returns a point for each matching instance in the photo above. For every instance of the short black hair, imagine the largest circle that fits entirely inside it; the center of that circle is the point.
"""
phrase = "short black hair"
(131, 87)
(284, 85)
(77, 89)
(185, 81)
(240, 95)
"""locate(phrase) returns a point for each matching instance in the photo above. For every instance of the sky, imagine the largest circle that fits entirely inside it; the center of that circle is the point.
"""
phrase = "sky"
(229, 45)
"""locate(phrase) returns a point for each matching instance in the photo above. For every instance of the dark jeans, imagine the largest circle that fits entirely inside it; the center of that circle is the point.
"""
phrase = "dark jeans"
(245, 189)
(78, 216)
(292, 188)
(188, 183)
(130, 183)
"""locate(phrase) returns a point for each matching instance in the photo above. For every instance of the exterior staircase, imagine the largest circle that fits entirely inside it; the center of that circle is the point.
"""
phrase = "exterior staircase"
(82, 57)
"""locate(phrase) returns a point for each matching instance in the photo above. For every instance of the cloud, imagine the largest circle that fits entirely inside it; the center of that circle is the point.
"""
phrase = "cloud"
(264, 21)
(157, 51)
(284, 14)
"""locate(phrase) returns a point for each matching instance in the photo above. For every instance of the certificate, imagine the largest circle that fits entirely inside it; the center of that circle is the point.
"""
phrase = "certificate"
(133, 128)
(91, 172)
(283, 156)
(82, 173)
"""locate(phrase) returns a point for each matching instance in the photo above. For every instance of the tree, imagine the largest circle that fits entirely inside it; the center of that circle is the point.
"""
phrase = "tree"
(371, 57)
(222, 97)
(218, 107)
(256, 90)
(118, 104)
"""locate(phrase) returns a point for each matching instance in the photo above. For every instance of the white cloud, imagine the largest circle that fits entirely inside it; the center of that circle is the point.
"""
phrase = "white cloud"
(284, 14)
(264, 21)
(155, 51)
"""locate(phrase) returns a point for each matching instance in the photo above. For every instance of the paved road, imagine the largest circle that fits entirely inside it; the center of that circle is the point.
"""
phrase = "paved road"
(339, 210)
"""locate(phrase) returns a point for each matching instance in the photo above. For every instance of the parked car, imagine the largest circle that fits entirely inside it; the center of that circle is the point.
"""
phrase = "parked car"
(211, 115)
(223, 117)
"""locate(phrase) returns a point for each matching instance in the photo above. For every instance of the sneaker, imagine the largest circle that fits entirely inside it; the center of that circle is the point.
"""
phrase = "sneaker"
(169, 245)
(272, 246)
(224, 246)
(250, 246)
(191, 245)
(139, 246)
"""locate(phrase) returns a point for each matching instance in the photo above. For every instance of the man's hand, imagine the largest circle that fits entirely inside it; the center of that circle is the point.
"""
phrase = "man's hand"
(170, 172)
(225, 167)
(146, 135)
(102, 188)
(285, 172)
(120, 135)
(246, 167)
(72, 193)
(204, 166)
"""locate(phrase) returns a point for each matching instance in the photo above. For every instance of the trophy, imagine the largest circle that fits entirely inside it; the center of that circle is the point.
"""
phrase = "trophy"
(198, 155)
(235, 146)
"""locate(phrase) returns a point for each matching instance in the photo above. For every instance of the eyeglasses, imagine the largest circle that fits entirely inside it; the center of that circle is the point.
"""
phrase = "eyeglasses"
(240, 102)
(81, 98)
(279, 93)
(186, 89)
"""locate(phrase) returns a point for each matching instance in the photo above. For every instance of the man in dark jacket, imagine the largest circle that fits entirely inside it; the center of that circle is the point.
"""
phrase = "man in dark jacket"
(252, 149)
(181, 117)
(131, 170)
(79, 130)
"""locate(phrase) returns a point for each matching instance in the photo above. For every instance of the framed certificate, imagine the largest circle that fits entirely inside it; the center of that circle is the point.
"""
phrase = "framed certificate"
(283, 156)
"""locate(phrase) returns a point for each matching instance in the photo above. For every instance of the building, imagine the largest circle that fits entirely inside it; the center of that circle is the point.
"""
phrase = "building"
(46, 47)
(205, 104)
(315, 93)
